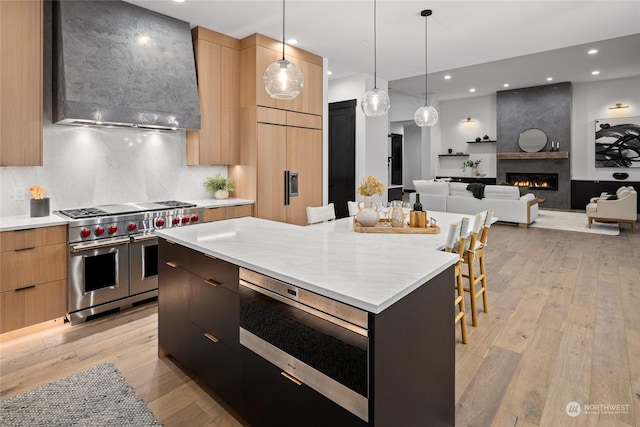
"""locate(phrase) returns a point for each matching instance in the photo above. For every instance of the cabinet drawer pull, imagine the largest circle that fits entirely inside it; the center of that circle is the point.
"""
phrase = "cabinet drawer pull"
(171, 264)
(25, 288)
(25, 249)
(211, 337)
(210, 256)
(211, 282)
(291, 378)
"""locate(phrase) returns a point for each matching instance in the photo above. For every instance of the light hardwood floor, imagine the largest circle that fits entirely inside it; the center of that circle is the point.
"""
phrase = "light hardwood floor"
(563, 326)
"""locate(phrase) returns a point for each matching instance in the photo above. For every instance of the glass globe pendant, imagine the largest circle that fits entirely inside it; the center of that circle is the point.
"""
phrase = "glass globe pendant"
(376, 102)
(426, 116)
(283, 79)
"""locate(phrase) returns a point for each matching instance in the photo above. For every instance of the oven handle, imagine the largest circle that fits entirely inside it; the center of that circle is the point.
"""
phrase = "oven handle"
(143, 237)
(321, 314)
(84, 246)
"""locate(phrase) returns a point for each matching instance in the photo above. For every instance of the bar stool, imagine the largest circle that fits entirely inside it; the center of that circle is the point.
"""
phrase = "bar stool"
(321, 213)
(455, 242)
(475, 252)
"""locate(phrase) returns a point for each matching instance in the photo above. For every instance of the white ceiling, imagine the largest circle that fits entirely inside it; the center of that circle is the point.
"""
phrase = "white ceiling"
(482, 44)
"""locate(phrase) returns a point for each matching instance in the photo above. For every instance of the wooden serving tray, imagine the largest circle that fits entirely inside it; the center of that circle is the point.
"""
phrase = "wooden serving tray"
(383, 226)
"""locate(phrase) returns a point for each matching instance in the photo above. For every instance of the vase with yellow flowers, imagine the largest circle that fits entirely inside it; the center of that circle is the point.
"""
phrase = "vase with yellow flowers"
(368, 215)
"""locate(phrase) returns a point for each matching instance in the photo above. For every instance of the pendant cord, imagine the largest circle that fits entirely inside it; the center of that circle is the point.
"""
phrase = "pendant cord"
(375, 49)
(283, 19)
(426, 84)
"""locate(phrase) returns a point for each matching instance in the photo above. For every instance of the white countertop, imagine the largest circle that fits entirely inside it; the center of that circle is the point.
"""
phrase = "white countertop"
(366, 270)
(9, 223)
(219, 203)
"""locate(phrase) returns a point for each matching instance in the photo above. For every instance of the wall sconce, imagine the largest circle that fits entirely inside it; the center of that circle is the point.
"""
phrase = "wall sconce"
(468, 120)
(618, 105)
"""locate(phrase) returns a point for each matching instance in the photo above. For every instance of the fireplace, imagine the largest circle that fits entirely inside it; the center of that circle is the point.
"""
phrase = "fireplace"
(539, 181)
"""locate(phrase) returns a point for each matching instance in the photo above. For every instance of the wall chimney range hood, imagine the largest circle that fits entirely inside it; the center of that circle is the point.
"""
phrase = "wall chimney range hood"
(119, 65)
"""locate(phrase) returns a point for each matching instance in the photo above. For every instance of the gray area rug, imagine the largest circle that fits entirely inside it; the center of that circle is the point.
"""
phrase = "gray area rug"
(572, 221)
(98, 396)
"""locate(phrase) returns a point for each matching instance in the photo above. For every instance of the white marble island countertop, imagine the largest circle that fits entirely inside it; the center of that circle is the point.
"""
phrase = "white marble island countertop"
(368, 271)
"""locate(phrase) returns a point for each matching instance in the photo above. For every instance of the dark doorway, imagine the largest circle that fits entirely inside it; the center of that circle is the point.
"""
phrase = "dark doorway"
(342, 155)
(396, 159)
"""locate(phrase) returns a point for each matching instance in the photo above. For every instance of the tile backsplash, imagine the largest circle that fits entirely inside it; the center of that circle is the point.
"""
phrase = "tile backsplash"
(93, 166)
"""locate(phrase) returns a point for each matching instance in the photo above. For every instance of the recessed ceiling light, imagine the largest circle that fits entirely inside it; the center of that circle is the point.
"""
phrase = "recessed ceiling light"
(292, 42)
(506, 85)
(549, 79)
(329, 72)
(593, 51)
(472, 90)
(447, 77)
(595, 72)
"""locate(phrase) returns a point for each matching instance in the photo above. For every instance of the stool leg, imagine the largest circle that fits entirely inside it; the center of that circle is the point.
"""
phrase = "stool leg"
(462, 315)
(483, 273)
(472, 289)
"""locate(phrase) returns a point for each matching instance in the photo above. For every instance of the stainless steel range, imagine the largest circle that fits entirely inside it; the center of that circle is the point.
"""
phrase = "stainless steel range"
(113, 253)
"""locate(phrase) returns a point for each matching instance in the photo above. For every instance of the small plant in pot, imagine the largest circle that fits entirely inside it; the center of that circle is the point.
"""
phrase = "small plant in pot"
(473, 165)
(219, 186)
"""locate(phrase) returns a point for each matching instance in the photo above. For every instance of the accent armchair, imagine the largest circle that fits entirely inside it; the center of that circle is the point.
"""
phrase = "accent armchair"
(623, 207)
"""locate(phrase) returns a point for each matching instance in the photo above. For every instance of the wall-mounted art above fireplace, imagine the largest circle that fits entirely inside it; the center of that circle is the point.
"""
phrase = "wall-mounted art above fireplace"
(617, 142)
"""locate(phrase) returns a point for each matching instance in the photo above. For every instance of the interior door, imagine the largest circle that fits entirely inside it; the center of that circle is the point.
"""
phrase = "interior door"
(304, 155)
(272, 162)
(342, 155)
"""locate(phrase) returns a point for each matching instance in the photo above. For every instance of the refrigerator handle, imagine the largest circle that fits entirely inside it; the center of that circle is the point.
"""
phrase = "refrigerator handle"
(286, 188)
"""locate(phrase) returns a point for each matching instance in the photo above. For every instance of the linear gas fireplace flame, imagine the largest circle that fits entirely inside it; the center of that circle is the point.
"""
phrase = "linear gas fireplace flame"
(540, 181)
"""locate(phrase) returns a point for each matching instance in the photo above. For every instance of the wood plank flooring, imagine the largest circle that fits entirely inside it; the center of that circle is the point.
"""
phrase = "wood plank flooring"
(563, 326)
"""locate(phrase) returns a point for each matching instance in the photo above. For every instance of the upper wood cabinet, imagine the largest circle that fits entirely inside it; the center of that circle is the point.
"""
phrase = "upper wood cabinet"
(218, 67)
(21, 40)
(258, 52)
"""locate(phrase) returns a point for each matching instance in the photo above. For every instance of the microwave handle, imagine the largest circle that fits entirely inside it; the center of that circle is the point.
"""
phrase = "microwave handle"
(287, 199)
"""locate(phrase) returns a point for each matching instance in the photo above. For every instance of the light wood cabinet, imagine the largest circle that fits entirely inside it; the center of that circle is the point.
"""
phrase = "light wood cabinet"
(33, 276)
(21, 41)
(218, 68)
(227, 212)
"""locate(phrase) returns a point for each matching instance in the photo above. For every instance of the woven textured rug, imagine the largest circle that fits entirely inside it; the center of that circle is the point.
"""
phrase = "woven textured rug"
(572, 221)
(98, 396)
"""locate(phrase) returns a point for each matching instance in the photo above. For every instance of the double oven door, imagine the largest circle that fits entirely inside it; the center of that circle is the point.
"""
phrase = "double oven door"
(143, 264)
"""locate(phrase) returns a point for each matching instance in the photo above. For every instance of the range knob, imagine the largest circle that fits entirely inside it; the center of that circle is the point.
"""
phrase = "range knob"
(160, 223)
(85, 232)
(176, 221)
(99, 231)
(112, 229)
(185, 219)
(132, 226)
(194, 218)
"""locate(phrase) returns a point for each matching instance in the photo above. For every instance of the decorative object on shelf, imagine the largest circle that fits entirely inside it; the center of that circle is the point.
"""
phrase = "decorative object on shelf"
(478, 139)
(39, 205)
(376, 102)
(620, 175)
(283, 79)
(486, 137)
(618, 106)
(219, 186)
(532, 140)
(472, 165)
(450, 151)
(555, 146)
(426, 116)
(368, 209)
(617, 143)
(459, 153)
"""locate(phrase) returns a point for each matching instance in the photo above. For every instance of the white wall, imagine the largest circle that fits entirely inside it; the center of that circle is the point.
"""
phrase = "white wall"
(591, 101)
(371, 132)
(86, 167)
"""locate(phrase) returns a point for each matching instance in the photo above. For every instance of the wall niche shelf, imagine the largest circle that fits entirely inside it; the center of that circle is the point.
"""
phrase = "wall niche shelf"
(540, 155)
(486, 141)
(453, 155)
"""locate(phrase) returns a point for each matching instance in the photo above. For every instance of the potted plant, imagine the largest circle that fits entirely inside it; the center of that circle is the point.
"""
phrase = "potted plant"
(473, 165)
(219, 186)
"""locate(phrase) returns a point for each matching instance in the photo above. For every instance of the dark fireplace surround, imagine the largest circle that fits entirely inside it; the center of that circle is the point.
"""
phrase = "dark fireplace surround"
(535, 181)
(547, 108)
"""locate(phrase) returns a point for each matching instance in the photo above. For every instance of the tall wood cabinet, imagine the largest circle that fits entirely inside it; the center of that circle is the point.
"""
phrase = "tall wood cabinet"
(217, 142)
(33, 276)
(279, 135)
(21, 49)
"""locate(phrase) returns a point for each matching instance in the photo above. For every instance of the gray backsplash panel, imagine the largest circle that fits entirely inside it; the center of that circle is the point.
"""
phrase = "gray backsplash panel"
(543, 107)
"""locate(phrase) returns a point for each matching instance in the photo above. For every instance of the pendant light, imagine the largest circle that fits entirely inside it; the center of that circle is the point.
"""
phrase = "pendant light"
(427, 115)
(376, 102)
(283, 79)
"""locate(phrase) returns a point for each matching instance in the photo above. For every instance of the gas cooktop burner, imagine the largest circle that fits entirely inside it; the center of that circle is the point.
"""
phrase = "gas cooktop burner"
(83, 213)
(176, 204)
(125, 208)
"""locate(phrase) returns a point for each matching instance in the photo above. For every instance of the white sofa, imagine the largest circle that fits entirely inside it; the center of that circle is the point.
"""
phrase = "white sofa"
(504, 200)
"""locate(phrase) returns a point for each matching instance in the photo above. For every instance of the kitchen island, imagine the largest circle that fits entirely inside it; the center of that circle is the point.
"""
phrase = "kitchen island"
(403, 288)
